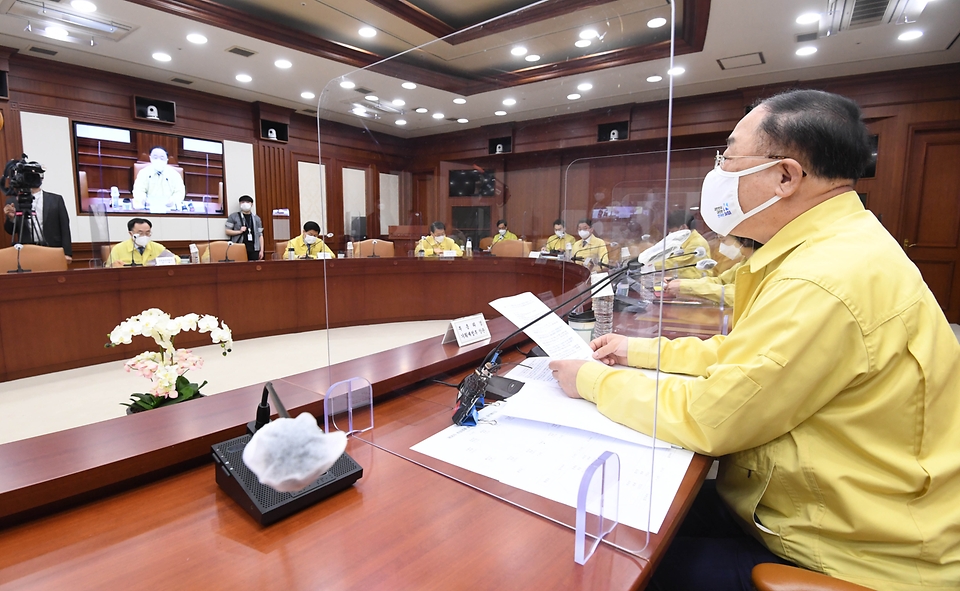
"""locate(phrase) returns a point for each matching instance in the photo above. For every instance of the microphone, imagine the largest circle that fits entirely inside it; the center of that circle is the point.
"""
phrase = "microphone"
(374, 255)
(132, 262)
(19, 269)
(226, 254)
(606, 254)
(263, 411)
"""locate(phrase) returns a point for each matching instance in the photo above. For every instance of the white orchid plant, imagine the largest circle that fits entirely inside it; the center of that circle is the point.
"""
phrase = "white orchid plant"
(167, 367)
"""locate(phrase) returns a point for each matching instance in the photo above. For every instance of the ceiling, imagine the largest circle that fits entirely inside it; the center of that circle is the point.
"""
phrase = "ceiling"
(462, 50)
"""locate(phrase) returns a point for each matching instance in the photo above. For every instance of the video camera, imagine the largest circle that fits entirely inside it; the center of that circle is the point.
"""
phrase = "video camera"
(20, 177)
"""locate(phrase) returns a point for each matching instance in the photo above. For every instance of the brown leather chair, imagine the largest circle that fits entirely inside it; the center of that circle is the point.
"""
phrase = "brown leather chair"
(32, 257)
(510, 248)
(217, 252)
(780, 577)
(365, 248)
(105, 252)
(486, 242)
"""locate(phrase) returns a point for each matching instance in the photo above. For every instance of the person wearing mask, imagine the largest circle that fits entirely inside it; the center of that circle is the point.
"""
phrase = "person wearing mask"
(158, 187)
(711, 288)
(309, 244)
(557, 244)
(503, 233)
(729, 250)
(437, 242)
(589, 250)
(139, 249)
(51, 217)
(832, 404)
(245, 227)
(677, 220)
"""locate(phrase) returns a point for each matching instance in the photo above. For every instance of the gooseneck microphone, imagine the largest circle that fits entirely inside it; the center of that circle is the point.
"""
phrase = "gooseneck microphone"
(374, 254)
(226, 254)
(19, 269)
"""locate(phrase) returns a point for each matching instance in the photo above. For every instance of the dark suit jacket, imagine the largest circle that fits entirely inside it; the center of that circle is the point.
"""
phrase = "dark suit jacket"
(56, 223)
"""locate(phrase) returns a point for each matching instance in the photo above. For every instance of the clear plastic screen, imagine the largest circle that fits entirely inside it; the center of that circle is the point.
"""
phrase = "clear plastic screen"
(467, 130)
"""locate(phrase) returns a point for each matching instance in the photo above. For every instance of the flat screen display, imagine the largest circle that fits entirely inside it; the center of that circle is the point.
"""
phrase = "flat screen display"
(473, 183)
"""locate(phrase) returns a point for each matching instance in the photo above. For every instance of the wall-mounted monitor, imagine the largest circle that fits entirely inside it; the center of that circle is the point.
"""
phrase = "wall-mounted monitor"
(110, 159)
(473, 183)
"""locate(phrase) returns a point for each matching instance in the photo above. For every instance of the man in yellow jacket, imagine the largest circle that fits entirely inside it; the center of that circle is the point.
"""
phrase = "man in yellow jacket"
(833, 404)
(309, 245)
(677, 220)
(503, 233)
(437, 243)
(557, 243)
(590, 251)
(139, 250)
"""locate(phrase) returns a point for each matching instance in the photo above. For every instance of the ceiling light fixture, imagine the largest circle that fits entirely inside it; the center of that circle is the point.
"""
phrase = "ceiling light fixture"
(459, 101)
(499, 113)
(532, 58)
(509, 102)
(573, 97)
(584, 87)
(283, 64)
(588, 34)
(28, 28)
(83, 6)
(910, 35)
(656, 23)
(807, 50)
(583, 43)
(347, 84)
(437, 115)
(367, 32)
(244, 78)
(399, 102)
(519, 50)
(196, 38)
(61, 33)
(462, 120)
(159, 56)
(422, 110)
(409, 85)
(675, 71)
(654, 78)
(307, 95)
(401, 121)
(808, 18)
(372, 98)
(358, 110)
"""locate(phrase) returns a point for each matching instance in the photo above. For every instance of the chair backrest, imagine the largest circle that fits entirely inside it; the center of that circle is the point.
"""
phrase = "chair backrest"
(218, 251)
(138, 166)
(510, 248)
(486, 242)
(32, 257)
(105, 252)
(384, 248)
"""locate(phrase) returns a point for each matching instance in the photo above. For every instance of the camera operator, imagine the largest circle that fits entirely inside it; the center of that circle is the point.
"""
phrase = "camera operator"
(51, 216)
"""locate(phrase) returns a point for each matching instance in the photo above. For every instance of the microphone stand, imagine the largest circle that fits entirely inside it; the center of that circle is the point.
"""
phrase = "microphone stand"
(226, 254)
(374, 255)
(19, 269)
(132, 262)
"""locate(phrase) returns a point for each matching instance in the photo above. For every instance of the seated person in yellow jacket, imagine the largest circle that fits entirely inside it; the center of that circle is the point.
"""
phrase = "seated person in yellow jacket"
(707, 288)
(589, 250)
(729, 250)
(557, 243)
(309, 244)
(139, 249)
(679, 219)
(437, 242)
(503, 233)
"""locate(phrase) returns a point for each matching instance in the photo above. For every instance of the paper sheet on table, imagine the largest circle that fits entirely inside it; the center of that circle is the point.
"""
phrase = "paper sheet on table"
(553, 335)
(549, 461)
(541, 399)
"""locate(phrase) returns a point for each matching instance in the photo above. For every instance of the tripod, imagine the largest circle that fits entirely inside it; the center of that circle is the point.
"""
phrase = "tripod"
(25, 220)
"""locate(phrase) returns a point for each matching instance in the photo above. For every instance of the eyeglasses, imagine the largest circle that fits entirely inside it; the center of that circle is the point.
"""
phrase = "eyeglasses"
(719, 159)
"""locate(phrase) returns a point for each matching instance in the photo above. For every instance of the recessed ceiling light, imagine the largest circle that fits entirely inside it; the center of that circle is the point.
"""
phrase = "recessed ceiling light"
(588, 34)
(908, 36)
(532, 58)
(584, 87)
(196, 38)
(573, 97)
(675, 71)
(159, 56)
(583, 43)
(401, 122)
(808, 50)
(422, 110)
(307, 95)
(61, 33)
(509, 102)
(359, 111)
(437, 115)
(808, 18)
(399, 102)
(367, 32)
(282, 64)
(409, 85)
(347, 84)
(84, 6)
(654, 78)
(372, 98)
(244, 78)
(656, 23)
(499, 113)
(519, 50)
(462, 120)
(459, 101)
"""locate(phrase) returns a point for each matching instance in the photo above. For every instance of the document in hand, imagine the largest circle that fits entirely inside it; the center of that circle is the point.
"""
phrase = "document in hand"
(554, 336)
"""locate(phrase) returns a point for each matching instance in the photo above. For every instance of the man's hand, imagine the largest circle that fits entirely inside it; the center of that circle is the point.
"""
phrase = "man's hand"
(672, 289)
(243, 229)
(261, 255)
(69, 259)
(565, 372)
(610, 349)
(116, 264)
(9, 210)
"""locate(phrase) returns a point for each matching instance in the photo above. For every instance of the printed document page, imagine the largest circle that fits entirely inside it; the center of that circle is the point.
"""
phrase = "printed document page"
(553, 335)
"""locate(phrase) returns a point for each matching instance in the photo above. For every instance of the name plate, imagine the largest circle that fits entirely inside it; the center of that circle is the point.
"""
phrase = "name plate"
(467, 330)
(448, 254)
(165, 261)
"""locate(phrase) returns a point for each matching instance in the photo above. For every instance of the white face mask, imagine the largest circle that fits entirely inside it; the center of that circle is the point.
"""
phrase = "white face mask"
(720, 199)
(584, 234)
(141, 239)
(158, 164)
(245, 207)
(730, 251)
(439, 239)
(310, 239)
(502, 232)
(559, 233)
